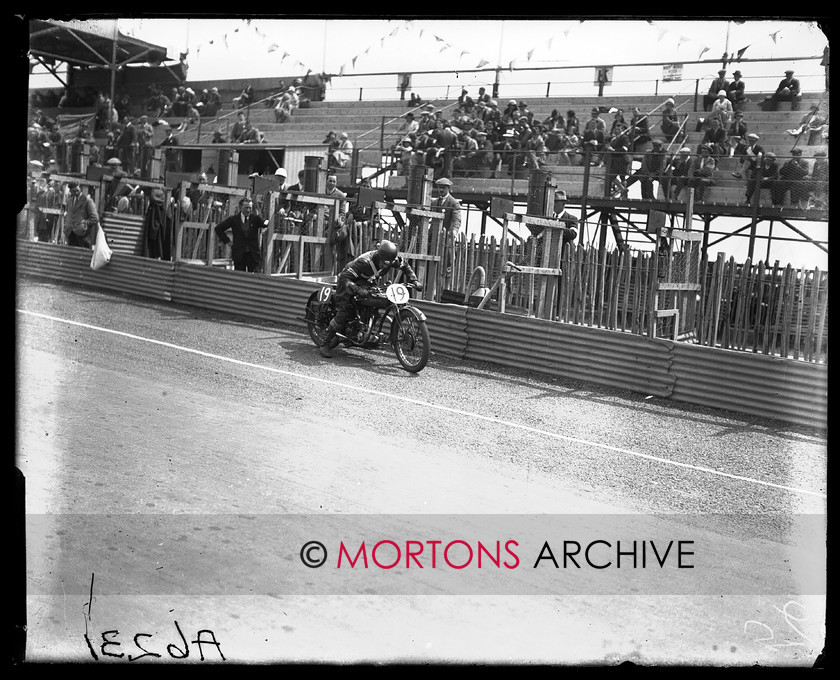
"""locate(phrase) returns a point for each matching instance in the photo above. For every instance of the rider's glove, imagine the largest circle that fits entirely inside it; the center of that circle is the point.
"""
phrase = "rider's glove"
(417, 285)
(362, 292)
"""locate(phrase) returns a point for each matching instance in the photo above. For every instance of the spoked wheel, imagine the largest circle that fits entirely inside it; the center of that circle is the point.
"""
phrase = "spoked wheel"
(316, 320)
(412, 343)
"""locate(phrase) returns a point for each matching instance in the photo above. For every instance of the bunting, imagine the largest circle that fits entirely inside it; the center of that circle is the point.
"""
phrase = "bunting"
(530, 54)
(741, 53)
(273, 46)
(774, 34)
(482, 63)
(702, 52)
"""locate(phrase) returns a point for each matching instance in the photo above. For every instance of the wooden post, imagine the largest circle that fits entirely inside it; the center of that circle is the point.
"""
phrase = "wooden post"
(268, 236)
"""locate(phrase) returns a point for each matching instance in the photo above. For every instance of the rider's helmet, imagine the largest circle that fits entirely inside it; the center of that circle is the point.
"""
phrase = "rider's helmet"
(386, 253)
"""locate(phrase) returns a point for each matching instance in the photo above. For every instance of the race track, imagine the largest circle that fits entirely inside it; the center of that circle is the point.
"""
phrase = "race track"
(176, 461)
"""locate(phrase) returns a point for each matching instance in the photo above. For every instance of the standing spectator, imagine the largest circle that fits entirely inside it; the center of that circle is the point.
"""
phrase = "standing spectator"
(792, 177)
(465, 102)
(824, 62)
(332, 191)
(787, 91)
(769, 179)
(736, 92)
(173, 155)
(718, 84)
(127, 145)
(619, 124)
(651, 168)
(484, 164)
(618, 163)
(157, 226)
(450, 206)
(464, 164)
(445, 139)
(245, 228)
(145, 135)
(80, 217)
(409, 127)
(212, 103)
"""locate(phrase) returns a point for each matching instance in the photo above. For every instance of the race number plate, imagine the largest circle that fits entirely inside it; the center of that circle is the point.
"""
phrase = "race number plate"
(324, 294)
(397, 293)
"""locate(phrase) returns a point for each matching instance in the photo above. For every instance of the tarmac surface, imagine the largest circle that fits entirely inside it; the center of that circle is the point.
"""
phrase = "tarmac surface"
(179, 463)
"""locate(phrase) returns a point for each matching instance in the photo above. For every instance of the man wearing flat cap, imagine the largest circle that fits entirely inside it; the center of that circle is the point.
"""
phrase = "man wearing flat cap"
(752, 153)
(769, 172)
(595, 130)
(718, 84)
(787, 91)
(652, 168)
(792, 176)
(450, 206)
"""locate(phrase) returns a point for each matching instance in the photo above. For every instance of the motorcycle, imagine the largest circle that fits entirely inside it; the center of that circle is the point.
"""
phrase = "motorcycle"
(382, 316)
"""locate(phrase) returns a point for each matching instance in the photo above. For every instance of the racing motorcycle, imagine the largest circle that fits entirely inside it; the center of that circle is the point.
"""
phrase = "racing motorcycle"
(383, 316)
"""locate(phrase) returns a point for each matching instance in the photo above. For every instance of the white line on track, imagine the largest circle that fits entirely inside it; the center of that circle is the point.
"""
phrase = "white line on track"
(468, 414)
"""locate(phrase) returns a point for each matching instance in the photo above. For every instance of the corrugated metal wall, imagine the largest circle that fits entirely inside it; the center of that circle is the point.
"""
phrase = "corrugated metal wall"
(293, 159)
(591, 355)
(447, 327)
(124, 232)
(760, 385)
(270, 298)
(124, 273)
(771, 387)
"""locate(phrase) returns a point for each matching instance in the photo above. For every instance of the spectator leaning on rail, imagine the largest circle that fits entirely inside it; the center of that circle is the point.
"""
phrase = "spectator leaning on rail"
(245, 228)
(769, 179)
(80, 217)
(354, 280)
(813, 123)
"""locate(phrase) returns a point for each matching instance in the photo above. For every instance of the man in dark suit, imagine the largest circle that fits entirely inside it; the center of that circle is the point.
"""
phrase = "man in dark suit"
(718, 84)
(787, 91)
(245, 228)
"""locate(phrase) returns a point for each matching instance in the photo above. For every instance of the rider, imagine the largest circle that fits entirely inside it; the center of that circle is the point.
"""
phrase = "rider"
(355, 279)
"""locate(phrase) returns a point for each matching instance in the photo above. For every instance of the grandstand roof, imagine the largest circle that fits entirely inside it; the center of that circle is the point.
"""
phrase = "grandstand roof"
(85, 43)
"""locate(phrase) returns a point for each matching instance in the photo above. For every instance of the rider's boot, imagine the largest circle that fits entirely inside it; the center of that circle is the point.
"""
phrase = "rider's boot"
(324, 347)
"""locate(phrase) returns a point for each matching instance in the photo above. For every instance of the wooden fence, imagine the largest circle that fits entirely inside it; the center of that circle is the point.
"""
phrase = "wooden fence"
(773, 310)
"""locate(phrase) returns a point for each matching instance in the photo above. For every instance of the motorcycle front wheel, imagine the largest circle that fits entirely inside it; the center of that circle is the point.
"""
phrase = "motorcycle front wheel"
(412, 343)
(316, 320)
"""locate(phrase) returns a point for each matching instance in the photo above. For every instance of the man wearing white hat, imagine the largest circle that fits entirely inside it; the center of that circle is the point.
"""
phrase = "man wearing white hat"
(752, 153)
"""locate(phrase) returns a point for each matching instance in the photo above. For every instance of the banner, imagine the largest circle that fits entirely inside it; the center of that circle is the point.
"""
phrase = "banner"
(672, 72)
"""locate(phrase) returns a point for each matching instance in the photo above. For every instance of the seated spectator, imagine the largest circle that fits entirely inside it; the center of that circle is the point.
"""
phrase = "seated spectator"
(670, 124)
(788, 90)
(750, 157)
(619, 124)
(343, 152)
(465, 102)
(245, 99)
(594, 133)
(483, 96)
(218, 137)
(735, 92)
(286, 105)
(251, 135)
(769, 174)
(738, 135)
(792, 178)
(572, 123)
(555, 121)
(818, 186)
(415, 100)
(409, 127)
(677, 178)
(123, 106)
(404, 153)
(722, 110)
(814, 123)
(718, 84)
(715, 138)
(485, 158)
(535, 146)
(702, 172)
(639, 129)
(238, 128)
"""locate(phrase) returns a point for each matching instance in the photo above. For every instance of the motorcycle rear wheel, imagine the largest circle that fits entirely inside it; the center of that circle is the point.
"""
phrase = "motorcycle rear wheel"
(412, 343)
(316, 320)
